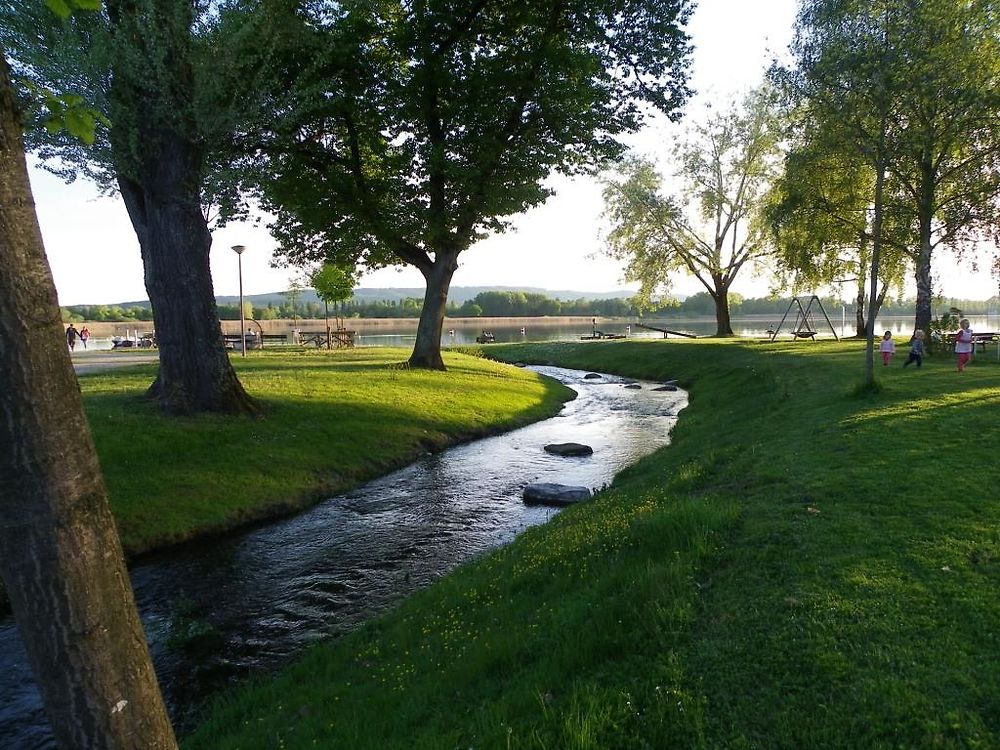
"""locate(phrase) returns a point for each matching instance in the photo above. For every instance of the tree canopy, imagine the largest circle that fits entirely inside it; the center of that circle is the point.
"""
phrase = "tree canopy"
(819, 210)
(910, 89)
(710, 226)
(400, 132)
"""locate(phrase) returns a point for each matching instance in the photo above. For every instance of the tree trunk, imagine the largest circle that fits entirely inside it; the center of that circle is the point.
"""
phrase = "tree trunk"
(329, 333)
(922, 266)
(427, 348)
(195, 372)
(723, 323)
(861, 326)
(160, 163)
(60, 557)
(876, 262)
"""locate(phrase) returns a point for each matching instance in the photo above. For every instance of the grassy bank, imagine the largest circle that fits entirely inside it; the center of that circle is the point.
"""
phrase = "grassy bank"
(332, 420)
(803, 567)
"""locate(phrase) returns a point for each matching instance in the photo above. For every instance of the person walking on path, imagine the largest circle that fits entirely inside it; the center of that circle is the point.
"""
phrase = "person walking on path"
(916, 349)
(71, 334)
(84, 336)
(887, 347)
(963, 344)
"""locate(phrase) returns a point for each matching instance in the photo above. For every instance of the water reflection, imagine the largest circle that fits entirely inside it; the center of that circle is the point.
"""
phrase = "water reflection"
(222, 611)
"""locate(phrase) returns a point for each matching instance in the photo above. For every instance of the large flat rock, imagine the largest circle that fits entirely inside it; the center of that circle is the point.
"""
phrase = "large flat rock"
(569, 449)
(549, 493)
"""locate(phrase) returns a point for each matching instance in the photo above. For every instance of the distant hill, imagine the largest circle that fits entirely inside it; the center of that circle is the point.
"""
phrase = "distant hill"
(457, 294)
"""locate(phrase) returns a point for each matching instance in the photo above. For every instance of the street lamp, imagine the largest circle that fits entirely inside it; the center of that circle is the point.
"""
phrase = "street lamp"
(238, 249)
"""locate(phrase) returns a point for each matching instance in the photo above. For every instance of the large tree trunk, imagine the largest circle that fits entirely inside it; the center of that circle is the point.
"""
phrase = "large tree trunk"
(195, 372)
(160, 165)
(427, 348)
(922, 266)
(60, 557)
(723, 322)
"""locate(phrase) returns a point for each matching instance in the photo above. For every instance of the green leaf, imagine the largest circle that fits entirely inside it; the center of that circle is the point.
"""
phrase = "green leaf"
(80, 123)
(59, 7)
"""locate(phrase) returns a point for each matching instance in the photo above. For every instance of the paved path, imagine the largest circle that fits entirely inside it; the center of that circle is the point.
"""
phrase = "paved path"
(85, 362)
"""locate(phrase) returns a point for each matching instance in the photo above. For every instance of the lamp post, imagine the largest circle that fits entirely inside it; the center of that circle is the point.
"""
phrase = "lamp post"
(238, 249)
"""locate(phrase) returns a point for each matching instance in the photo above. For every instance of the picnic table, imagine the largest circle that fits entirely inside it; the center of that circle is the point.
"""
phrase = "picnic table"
(145, 341)
(978, 339)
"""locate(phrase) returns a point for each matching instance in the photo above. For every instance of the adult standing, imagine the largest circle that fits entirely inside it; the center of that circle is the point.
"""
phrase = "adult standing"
(84, 336)
(71, 335)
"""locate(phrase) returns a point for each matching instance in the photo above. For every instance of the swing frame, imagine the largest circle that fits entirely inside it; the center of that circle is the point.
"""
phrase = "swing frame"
(802, 318)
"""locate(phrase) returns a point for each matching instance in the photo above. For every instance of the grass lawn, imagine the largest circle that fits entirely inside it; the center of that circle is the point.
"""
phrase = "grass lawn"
(802, 568)
(332, 420)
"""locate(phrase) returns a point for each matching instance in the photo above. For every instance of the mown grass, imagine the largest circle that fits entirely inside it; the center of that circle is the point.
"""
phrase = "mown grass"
(803, 567)
(332, 420)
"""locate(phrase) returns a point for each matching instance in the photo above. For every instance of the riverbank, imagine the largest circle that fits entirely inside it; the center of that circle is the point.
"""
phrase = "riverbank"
(802, 567)
(332, 421)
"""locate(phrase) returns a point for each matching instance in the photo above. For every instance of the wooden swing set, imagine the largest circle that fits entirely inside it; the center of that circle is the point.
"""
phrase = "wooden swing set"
(805, 326)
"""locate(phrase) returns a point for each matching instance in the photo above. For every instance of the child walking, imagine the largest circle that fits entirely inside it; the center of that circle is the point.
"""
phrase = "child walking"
(963, 344)
(916, 349)
(887, 347)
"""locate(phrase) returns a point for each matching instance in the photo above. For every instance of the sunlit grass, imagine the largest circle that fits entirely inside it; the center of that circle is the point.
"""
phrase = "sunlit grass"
(803, 567)
(331, 420)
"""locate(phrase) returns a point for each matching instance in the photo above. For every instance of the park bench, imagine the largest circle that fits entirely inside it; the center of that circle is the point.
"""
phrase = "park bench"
(275, 338)
(232, 340)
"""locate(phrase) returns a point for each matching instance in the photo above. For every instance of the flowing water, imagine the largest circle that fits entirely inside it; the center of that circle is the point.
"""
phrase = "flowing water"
(222, 611)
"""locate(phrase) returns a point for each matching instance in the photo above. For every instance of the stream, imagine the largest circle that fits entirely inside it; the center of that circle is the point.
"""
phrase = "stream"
(246, 604)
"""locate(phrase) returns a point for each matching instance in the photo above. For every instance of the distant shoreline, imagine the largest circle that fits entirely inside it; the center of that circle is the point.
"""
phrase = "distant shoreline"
(368, 325)
(362, 325)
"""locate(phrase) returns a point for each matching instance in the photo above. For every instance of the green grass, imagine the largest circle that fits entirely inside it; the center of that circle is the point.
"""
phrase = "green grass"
(332, 420)
(804, 567)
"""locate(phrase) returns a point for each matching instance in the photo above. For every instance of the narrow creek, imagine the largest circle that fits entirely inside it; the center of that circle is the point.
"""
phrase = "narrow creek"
(246, 604)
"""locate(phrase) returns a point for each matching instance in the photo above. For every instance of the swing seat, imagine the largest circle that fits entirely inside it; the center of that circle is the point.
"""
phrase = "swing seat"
(804, 335)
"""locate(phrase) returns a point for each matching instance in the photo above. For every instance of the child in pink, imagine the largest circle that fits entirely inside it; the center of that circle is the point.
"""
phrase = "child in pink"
(963, 344)
(887, 347)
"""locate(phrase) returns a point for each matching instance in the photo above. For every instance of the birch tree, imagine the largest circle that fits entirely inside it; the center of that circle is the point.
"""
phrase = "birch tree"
(820, 211)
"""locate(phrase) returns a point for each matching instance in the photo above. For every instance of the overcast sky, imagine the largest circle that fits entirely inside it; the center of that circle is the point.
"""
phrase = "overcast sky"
(95, 257)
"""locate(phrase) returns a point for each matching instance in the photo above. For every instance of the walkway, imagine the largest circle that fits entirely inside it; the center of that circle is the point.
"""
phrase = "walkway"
(86, 362)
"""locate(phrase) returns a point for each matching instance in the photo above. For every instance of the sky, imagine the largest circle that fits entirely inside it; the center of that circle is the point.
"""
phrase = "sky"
(95, 259)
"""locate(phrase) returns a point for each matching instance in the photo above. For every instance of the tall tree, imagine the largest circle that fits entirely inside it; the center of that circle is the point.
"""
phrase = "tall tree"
(404, 131)
(850, 75)
(820, 212)
(145, 64)
(938, 61)
(712, 226)
(949, 165)
(333, 284)
(60, 558)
